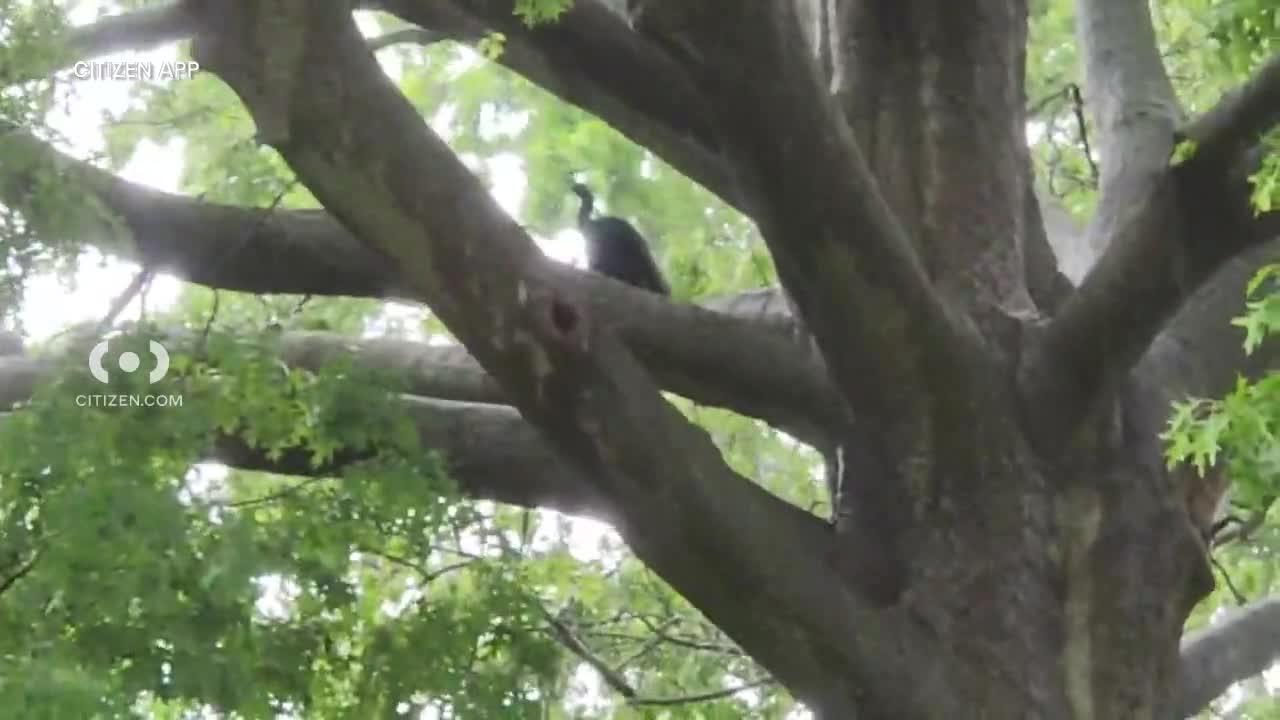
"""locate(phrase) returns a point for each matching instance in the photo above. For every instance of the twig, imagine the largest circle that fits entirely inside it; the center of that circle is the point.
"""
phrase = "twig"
(1077, 105)
(1233, 529)
(301, 304)
(118, 305)
(648, 647)
(259, 223)
(208, 323)
(1231, 586)
(704, 697)
(700, 646)
(685, 642)
(428, 576)
(1044, 102)
(279, 495)
(565, 636)
(19, 573)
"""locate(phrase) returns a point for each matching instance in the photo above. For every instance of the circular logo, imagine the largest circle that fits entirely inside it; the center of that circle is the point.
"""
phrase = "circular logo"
(128, 362)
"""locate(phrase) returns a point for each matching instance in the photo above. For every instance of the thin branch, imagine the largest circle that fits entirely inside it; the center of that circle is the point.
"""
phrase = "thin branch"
(269, 498)
(1226, 578)
(22, 571)
(203, 343)
(1039, 105)
(1232, 529)
(1077, 106)
(646, 649)
(704, 697)
(613, 678)
(426, 574)
(669, 639)
(118, 305)
(564, 635)
(661, 632)
(266, 214)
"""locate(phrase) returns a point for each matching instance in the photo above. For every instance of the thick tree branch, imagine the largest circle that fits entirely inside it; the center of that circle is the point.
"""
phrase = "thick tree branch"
(1168, 246)
(1242, 116)
(481, 444)
(137, 30)
(449, 373)
(1130, 96)
(1201, 352)
(255, 251)
(399, 188)
(151, 27)
(706, 356)
(1241, 646)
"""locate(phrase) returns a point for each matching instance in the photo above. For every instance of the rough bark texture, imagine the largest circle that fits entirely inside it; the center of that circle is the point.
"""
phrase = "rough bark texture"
(1007, 541)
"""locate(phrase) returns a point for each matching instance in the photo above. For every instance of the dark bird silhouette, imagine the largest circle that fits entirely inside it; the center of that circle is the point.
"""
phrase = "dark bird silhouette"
(614, 248)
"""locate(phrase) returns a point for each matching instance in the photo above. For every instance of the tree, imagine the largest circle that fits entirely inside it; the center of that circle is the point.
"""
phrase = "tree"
(1004, 536)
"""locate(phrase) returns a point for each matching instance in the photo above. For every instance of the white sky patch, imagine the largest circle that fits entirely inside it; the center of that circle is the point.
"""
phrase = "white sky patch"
(508, 182)
(567, 246)
(397, 320)
(441, 123)
(205, 482)
(156, 166)
(586, 692)
(587, 540)
(276, 596)
(1035, 131)
(53, 303)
